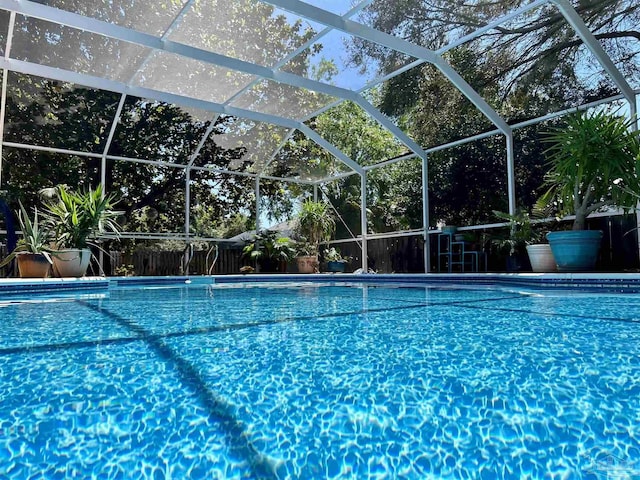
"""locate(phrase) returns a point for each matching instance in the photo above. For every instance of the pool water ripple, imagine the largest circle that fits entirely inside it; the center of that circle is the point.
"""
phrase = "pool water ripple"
(323, 382)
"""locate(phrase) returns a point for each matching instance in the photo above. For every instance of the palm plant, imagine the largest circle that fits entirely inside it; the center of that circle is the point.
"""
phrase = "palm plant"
(315, 223)
(593, 163)
(35, 238)
(77, 218)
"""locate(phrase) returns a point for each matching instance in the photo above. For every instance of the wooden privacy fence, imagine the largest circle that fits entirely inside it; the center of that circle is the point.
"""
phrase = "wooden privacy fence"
(388, 255)
(171, 262)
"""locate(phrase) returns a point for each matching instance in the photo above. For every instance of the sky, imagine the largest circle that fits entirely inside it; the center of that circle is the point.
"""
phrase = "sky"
(334, 47)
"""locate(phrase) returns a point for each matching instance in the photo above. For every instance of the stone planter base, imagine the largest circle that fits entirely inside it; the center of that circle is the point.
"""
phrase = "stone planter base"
(541, 258)
(71, 262)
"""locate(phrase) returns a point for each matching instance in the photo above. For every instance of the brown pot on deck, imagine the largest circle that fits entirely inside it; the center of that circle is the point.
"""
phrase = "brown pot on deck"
(307, 263)
(33, 265)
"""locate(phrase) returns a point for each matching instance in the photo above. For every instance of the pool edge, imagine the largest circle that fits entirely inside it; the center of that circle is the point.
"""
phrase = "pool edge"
(619, 282)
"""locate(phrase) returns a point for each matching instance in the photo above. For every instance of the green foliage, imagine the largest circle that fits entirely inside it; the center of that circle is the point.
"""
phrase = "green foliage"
(333, 255)
(593, 163)
(304, 249)
(77, 217)
(542, 58)
(522, 232)
(35, 237)
(235, 225)
(315, 223)
(268, 245)
(127, 270)
(521, 72)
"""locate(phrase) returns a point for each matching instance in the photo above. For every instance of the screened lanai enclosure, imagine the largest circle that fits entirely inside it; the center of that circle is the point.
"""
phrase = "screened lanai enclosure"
(389, 109)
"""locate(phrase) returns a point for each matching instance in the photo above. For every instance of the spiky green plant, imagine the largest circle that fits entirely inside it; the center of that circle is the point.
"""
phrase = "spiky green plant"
(315, 223)
(77, 218)
(594, 163)
(35, 237)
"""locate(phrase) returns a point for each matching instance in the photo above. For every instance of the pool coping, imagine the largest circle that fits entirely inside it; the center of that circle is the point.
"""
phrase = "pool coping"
(618, 282)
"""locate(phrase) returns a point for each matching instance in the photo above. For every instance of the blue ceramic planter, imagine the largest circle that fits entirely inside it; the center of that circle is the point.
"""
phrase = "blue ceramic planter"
(575, 250)
(337, 267)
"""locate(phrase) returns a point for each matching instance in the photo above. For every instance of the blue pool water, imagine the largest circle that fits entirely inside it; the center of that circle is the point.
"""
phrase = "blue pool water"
(320, 381)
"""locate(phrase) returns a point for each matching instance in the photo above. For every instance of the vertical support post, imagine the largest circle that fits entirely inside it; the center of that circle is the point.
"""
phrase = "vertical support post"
(103, 175)
(511, 178)
(633, 114)
(363, 220)
(5, 75)
(3, 103)
(257, 204)
(425, 215)
(315, 192)
(187, 202)
(187, 217)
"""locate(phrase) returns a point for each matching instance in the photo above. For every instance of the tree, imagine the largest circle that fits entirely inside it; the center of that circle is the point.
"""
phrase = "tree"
(67, 116)
(523, 69)
(540, 42)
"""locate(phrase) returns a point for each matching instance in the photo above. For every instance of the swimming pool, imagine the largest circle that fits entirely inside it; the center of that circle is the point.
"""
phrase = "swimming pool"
(320, 381)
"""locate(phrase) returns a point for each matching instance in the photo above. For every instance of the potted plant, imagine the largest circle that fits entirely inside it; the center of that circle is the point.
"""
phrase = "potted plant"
(306, 257)
(76, 219)
(515, 243)
(335, 261)
(32, 253)
(269, 250)
(524, 236)
(589, 158)
(314, 224)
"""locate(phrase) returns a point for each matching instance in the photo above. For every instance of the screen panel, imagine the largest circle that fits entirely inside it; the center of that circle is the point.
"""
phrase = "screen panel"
(524, 70)
(58, 114)
(58, 46)
(244, 29)
(330, 59)
(176, 74)
(358, 135)
(157, 131)
(149, 16)
(241, 145)
(282, 100)
(303, 159)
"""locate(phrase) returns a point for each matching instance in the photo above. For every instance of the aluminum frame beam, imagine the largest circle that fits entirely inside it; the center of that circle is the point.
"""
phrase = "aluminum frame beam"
(332, 149)
(363, 222)
(370, 34)
(511, 178)
(389, 125)
(3, 94)
(253, 175)
(595, 47)
(143, 92)
(74, 20)
(391, 161)
(426, 251)
(107, 146)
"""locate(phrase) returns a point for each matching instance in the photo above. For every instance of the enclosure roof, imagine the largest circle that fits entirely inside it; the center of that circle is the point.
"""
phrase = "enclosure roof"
(253, 72)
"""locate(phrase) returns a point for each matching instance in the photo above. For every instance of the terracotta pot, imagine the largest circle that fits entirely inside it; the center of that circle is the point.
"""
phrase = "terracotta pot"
(33, 265)
(72, 262)
(307, 263)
